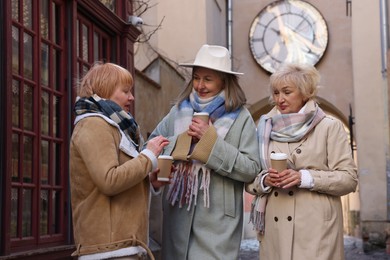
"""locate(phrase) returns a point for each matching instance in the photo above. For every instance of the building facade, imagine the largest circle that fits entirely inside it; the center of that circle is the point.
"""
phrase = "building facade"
(46, 45)
(354, 85)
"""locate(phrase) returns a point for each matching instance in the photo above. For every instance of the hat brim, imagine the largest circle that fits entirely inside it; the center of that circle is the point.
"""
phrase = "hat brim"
(196, 65)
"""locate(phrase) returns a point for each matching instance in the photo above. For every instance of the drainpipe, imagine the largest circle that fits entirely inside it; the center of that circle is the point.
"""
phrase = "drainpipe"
(384, 35)
(229, 25)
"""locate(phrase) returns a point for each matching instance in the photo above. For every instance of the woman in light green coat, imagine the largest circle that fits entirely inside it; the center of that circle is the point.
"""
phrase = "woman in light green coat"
(203, 206)
(297, 211)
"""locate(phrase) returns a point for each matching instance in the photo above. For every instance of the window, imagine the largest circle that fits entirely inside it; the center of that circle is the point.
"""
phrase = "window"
(93, 44)
(38, 151)
(48, 45)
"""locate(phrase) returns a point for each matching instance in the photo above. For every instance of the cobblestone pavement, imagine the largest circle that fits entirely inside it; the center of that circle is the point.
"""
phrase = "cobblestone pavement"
(353, 250)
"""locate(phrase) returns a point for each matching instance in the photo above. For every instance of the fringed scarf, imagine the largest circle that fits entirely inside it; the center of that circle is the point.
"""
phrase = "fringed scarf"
(112, 110)
(184, 186)
(284, 128)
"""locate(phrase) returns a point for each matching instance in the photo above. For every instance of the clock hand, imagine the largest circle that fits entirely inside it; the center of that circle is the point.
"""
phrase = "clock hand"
(275, 30)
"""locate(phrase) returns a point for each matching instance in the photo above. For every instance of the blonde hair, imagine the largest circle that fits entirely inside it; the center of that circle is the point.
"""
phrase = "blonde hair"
(305, 77)
(103, 79)
(234, 95)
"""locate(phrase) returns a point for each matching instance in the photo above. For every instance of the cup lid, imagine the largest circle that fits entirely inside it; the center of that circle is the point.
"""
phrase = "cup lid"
(165, 157)
(278, 156)
(201, 114)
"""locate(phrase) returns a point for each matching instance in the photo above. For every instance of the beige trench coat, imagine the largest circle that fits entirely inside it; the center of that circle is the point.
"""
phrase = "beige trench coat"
(308, 224)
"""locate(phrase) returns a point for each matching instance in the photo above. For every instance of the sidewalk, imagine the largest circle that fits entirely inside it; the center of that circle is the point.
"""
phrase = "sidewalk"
(353, 250)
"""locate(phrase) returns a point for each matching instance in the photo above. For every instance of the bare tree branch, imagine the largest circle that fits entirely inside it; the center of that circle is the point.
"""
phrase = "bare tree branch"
(140, 7)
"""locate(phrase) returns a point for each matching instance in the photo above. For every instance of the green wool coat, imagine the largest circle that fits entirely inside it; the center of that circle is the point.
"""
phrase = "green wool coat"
(214, 232)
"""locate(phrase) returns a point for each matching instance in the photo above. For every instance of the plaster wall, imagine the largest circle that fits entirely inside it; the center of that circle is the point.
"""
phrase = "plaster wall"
(371, 111)
(185, 27)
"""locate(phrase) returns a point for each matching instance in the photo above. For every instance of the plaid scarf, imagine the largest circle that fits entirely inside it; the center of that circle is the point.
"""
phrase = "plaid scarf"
(112, 110)
(185, 183)
(283, 128)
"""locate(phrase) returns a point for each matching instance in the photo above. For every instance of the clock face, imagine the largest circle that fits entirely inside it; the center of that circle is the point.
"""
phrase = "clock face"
(288, 31)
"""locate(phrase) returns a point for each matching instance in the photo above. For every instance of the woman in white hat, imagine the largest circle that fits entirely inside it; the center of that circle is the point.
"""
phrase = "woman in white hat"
(203, 205)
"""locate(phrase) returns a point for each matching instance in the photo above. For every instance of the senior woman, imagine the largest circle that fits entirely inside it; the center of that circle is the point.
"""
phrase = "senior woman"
(110, 175)
(298, 211)
(203, 206)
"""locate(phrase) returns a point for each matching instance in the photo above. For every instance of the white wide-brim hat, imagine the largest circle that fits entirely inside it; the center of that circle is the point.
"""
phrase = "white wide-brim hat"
(213, 57)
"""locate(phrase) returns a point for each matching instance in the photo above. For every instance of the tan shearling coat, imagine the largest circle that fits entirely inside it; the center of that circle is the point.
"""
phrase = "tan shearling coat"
(308, 223)
(109, 189)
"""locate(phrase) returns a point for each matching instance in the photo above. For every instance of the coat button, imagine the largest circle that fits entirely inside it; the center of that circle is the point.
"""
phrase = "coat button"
(289, 218)
(276, 219)
(290, 193)
(299, 151)
(276, 193)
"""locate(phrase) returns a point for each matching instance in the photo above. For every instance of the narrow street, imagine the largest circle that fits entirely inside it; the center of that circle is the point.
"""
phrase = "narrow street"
(353, 250)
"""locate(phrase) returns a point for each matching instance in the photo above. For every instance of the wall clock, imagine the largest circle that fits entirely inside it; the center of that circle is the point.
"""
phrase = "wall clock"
(288, 31)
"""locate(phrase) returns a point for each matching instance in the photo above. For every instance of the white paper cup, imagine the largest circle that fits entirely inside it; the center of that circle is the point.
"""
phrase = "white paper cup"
(278, 161)
(165, 165)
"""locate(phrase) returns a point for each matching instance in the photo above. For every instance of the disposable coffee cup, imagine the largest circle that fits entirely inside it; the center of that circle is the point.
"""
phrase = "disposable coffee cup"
(165, 165)
(202, 115)
(278, 161)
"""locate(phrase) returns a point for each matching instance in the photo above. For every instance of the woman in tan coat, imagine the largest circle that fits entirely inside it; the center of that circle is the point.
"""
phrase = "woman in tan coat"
(109, 174)
(297, 211)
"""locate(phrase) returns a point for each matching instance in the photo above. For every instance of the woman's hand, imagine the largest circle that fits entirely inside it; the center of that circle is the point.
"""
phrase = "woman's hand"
(197, 129)
(155, 182)
(156, 144)
(285, 179)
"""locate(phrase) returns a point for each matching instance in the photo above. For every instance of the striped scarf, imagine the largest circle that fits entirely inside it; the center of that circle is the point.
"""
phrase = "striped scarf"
(112, 110)
(283, 128)
(185, 183)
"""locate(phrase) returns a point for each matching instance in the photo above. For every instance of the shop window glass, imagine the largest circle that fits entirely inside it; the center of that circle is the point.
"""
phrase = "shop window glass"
(15, 50)
(28, 102)
(44, 214)
(15, 103)
(27, 213)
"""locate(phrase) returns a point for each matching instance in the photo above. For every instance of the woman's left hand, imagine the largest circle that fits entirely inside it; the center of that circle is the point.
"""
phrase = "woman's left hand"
(289, 178)
(197, 129)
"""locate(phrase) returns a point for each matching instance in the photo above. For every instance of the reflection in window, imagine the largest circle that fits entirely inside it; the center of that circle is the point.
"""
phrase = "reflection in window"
(44, 19)
(28, 56)
(27, 210)
(28, 107)
(27, 159)
(56, 71)
(14, 213)
(15, 10)
(45, 65)
(84, 42)
(27, 13)
(56, 167)
(56, 116)
(45, 152)
(95, 46)
(45, 113)
(15, 50)
(15, 158)
(56, 209)
(56, 23)
(44, 212)
(15, 103)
